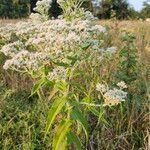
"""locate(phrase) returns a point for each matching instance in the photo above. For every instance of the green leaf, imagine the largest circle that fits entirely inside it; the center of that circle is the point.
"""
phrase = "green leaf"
(98, 114)
(72, 138)
(37, 86)
(85, 46)
(77, 86)
(73, 58)
(65, 65)
(78, 115)
(54, 110)
(59, 139)
(61, 86)
(94, 111)
(52, 94)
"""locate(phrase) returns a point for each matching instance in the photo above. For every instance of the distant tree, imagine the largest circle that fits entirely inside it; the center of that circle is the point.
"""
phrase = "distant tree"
(4, 9)
(87, 4)
(105, 9)
(14, 8)
(121, 8)
(145, 12)
(134, 14)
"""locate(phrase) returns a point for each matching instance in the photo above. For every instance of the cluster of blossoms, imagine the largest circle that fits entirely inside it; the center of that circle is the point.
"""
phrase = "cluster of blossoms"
(25, 58)
(72, 9)
(57, 73)
(59, 39)
(63, 42)
(42, 8)
(112, 96)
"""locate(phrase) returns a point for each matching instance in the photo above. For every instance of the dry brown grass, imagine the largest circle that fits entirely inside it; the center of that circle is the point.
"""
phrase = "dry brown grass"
(141, 29)
(7, 21)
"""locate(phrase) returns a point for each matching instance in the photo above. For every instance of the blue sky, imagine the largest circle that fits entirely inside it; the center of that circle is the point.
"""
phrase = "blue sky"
(137, 4)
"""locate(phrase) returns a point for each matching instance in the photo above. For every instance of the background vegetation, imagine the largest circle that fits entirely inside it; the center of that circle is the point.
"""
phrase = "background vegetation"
(14, 8)
(120, 9)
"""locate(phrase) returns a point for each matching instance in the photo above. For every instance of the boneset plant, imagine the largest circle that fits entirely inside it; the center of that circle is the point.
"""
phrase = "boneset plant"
(128, 64)
(64, 57)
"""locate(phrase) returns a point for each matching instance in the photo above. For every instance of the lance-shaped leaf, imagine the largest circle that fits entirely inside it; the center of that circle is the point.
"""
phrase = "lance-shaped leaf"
(54, 110)
(77, 115)
(59, 139)
(73, 139)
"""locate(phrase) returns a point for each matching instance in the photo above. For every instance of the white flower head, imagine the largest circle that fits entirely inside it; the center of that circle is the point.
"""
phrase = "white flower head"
(122, 85)
(112, 96)
(101, 87)
(57, 73)
(111, 50)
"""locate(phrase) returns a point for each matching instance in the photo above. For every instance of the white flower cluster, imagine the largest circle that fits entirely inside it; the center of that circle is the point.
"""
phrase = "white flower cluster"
(111, 50)
(112, 96)
(30, 44)
(57, 73)
(42, 8)
(25, 60)
(58, 38)
(122, 85)
(12, 48)
(72, 10)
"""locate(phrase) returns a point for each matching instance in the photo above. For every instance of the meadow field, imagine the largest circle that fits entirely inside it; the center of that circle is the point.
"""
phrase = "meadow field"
(25, 103)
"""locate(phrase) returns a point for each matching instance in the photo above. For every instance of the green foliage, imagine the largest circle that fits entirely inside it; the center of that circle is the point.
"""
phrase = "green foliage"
(22, 121)
(14, 8)
(59, 141)
(145, 12)
(72, 119)
(128, 65)
(105, 11)
(134, 14)
(119, 9)
(73, 139)
(72, 8)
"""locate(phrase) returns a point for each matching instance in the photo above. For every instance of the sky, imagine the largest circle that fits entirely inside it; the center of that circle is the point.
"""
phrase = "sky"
(137, 4)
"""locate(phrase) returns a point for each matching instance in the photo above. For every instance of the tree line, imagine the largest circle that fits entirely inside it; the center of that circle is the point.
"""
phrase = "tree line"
(120, 9)
(14, 8)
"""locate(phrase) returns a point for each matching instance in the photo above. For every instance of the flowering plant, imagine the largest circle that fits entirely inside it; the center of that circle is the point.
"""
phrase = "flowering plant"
(66, 55)
(42, 10)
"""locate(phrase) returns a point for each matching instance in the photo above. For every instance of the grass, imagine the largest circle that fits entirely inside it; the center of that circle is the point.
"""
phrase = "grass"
(23, 121)
(125, 127)
(134, 121)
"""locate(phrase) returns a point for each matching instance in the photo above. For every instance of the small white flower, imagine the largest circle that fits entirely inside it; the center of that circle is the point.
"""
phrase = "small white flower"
(101, 87)
(122, 85)
(57, 73)
(111, 50)
(112, 96)
(72, 37)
